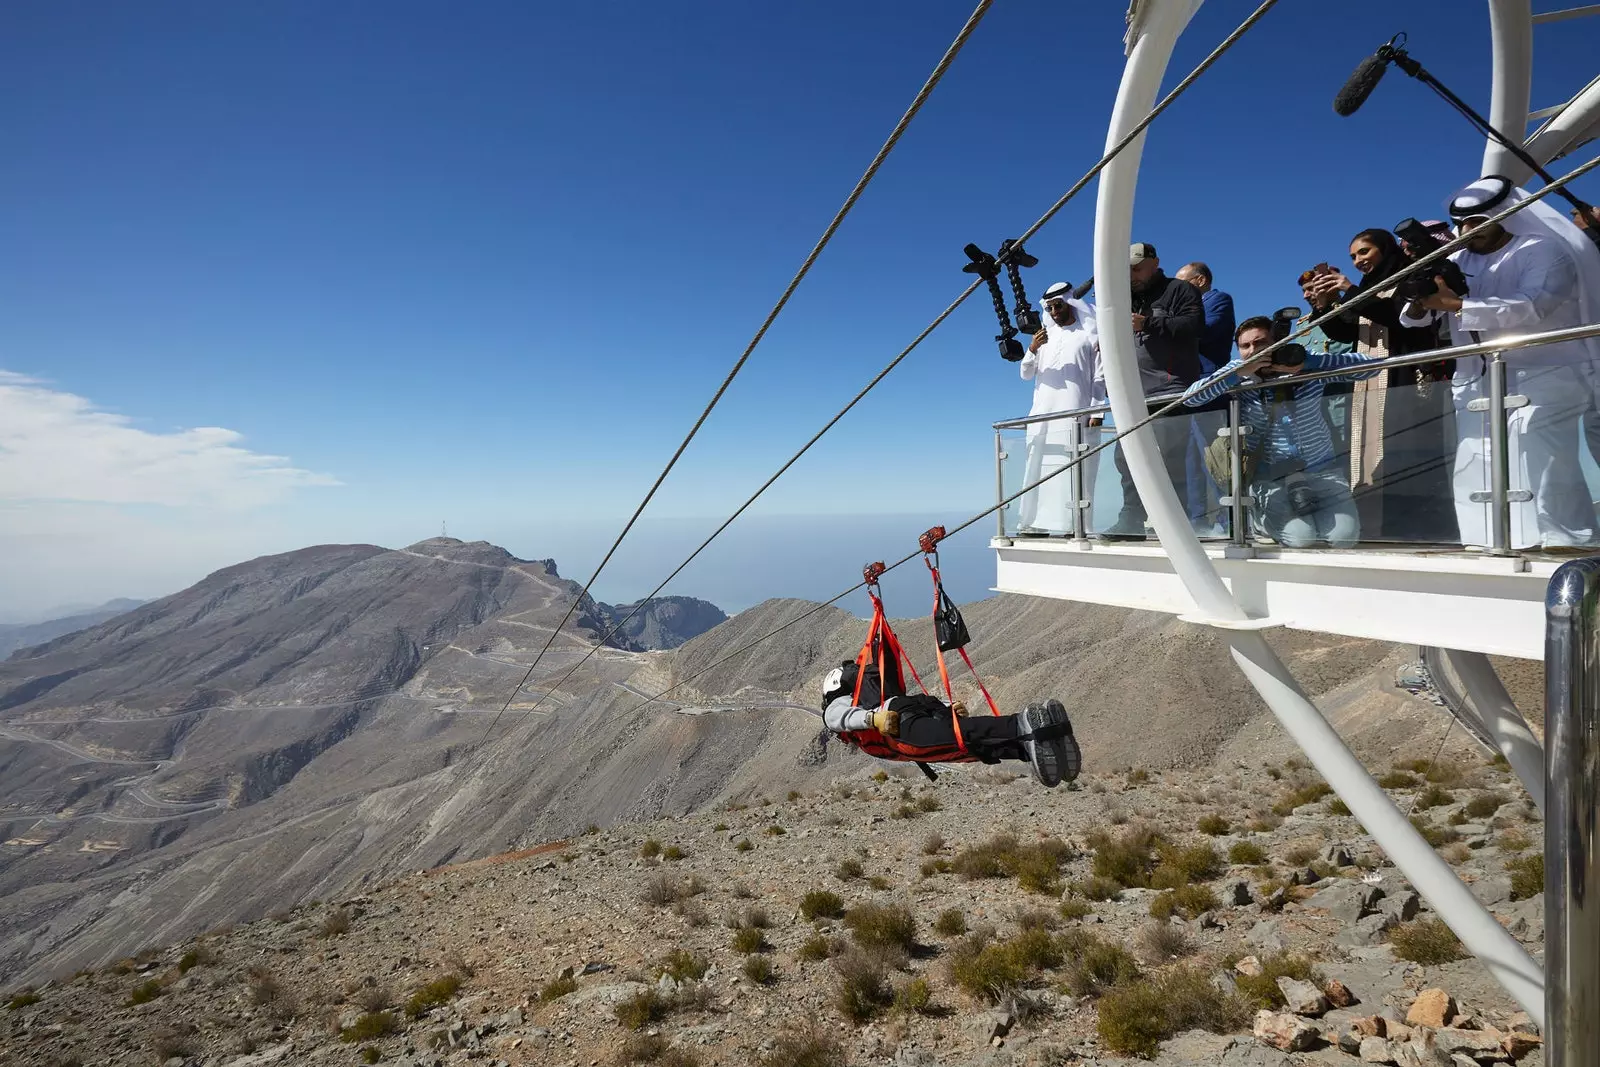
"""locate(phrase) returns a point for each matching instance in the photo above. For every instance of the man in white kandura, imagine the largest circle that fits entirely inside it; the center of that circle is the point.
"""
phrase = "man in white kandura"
(1063, 362)
(1533, 272)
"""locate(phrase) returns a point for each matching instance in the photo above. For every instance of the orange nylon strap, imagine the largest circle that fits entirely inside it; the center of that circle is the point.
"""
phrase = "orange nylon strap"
(944, 672)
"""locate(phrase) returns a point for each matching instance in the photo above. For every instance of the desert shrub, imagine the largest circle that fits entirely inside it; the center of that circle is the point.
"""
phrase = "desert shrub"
(25, 999)
(685, 966)
(1128, 859)
(375, 998)
(1300, 855)
(879, 882)
(813, 1048)
(794, 795)
(641, 1009)
(820, 903)
(1138, 776)
(199, 956)
(929, 802)
(743, 845)
(1437, 836)
(1037, 866)
(882, 925)
(1161, 941)
(1337, 807)
(371, 1026)
(558, 987)
(752, 916)
(1397, 780)
(1527, 876)
(758, 969)
(863, 985)
(1426, 941)
(1096, 966)
(749, 939)
(335, 923)
(1484, 805)
(371, 1055)
(848, 869)
(1188, 901)
(264, 986)
(661, 890)
(880, 776)
(929, 868)
(774, 831)
(951, 923)
(913, 997)
(1247, 854)
(1433, 797)
(1037, 919)
(1513, 840)
(1213, 825)
(672, 852)
(1263, 822)
(1073, 908)
(437, 992)
(720, 828)
(932, 845)
(691, 912)
(650, 849)
(1180, 866)
(145, 992)
(815, 948)
(1261, 990)
(1305, 794)
(170, 1041)
(1444, 774)
(987, 970)
(653, 1048)
(1097, 888)
(1137, 1016)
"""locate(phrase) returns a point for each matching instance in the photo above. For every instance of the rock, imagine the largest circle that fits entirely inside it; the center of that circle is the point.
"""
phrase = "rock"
(1478, 1044)
(1462, 1060)
(1350, 1041)
(1249, 965)
(1366, 931)
(1525, 919)
(1196, 1046)
(1370, 1026)
(1375, 1050)
(914, 1057)
(1338, 855)
(989, 1026)
(1280, 1030)
(1401, 906)
(1492, 889)
(1237, 894)
(667, 985)
(1346, 901)
(1521, 1023)
(1517, 1044)
(1432, 1008)
(1302, 998)
(510, 1019)
(1267, 936)
(262, 1057)
(1338, 995)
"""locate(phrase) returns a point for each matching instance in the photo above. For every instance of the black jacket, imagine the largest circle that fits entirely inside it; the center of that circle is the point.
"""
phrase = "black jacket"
(1174, 318)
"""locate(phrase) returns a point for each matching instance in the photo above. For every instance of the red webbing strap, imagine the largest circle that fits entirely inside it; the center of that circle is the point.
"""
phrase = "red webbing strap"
(944, 674)
(864, 657)
(887, 643)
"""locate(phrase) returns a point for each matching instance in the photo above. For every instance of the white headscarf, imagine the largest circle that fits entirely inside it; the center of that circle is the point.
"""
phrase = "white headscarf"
(1063, 291)
(1493, 194)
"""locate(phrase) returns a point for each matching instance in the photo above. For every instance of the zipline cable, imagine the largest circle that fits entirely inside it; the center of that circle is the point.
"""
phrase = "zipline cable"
(794, 283)
(1359, 299)
(1105, 160)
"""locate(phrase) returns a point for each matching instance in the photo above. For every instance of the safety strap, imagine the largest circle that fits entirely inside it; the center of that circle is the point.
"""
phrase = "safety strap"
(882, 640)
(930, 555)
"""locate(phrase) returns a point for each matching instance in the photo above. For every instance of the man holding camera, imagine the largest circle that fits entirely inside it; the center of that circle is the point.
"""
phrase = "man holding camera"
(1290, 463)
(1168, 318)
(1532, 272)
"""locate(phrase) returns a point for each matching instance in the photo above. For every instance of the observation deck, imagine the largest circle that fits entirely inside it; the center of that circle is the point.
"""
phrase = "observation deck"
(1443, 546)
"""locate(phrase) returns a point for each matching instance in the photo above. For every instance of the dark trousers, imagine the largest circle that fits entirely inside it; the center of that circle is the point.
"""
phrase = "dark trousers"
(1172, 439)
(925, 721)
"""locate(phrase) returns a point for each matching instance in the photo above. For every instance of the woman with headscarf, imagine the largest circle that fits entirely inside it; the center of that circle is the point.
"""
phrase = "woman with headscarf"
(1063, 362)
(1533, 271)
(1400, 432)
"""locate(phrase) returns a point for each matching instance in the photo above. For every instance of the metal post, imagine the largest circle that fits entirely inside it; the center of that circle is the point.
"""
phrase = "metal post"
(1499, 460)
(1236, 430)
(1572, 819)
(1075, 450)
(999, 486)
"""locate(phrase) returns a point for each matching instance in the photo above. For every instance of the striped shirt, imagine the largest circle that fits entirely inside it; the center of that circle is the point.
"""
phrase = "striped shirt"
(1299, 425)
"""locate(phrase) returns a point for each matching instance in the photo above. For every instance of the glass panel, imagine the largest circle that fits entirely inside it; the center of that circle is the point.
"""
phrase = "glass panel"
(1033, 453)
(1547, 444)
(1183, 439)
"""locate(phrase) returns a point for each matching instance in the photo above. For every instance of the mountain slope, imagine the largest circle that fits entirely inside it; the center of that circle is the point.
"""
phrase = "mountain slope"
(25, 635)
(665, 622)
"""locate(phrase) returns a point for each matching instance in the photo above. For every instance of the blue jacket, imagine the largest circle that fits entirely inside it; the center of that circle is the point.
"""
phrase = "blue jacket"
(1299, 429)
(1216, 338)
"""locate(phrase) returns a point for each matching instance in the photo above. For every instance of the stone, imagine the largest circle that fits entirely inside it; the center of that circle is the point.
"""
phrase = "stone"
(1521, 1023)
(1302, 998)
(1525, 919)
(1433, 1007)
(1401, 906)
(990, 1026)
(1462, 1060)
(1350, 1041)
(1196, 1046)
(1366, 931)
(1338, 855)
(1371, 1026)
(264, 1057)
(1267, 936)
(1375, 1050)
(1518, 1044)
(1237, 894)
(1492, 889)
(1345, 900)
(906, 1056)
(1285, 1032)
(1338, 995)
(1479, 1044)
(1249, 965)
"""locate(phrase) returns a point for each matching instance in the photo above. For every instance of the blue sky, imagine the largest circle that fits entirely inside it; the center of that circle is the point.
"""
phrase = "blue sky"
(485, 262)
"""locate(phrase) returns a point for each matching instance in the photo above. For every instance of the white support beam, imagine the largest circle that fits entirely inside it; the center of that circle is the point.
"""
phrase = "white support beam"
(1511, 36)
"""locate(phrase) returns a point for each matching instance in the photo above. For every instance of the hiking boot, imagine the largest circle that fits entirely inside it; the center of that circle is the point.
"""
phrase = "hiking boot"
(886, 722)
(1041, 736)
(1072, 755)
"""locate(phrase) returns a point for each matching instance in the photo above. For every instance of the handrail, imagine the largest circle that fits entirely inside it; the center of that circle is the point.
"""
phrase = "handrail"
(1433, 355)
(1572, 813)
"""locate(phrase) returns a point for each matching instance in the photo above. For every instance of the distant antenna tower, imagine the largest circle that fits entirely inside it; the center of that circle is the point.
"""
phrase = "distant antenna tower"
(444, 529)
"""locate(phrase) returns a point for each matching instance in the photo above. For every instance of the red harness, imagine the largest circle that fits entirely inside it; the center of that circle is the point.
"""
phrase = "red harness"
(883, 650)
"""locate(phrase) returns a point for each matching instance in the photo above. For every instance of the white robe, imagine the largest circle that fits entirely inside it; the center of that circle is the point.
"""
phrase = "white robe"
(1529, 285)
(1066, 375)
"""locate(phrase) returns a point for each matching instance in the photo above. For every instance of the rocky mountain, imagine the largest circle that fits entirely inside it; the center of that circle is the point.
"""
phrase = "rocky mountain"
(665, 622)
(24, 635)
(310, 725)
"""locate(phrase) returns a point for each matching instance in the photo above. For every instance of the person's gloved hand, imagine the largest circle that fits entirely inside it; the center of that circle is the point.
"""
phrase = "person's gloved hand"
(958, 708)
(886, 722)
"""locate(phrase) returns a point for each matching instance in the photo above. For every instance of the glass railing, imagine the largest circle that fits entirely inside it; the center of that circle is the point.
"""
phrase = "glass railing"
(1503, 456)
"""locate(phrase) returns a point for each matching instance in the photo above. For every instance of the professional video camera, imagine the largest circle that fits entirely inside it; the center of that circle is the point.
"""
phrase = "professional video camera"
(1292, 354)
(1421, 241)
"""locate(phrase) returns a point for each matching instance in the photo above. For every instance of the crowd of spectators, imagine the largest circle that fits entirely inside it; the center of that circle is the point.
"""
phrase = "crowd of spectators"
(1358, 453)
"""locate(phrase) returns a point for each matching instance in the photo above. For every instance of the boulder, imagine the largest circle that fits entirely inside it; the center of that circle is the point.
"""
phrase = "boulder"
(1285, 1032)
(1338, 995)
(1478, 1044)
(1518, 1044)
(1433, 1008)
(1302, 998)
(1401, 906)
(1267, 936)
(1375, 1050)
(1365, 931)
(1237, 894)
(1346, 901)
(1249, 965)
(1492, 889)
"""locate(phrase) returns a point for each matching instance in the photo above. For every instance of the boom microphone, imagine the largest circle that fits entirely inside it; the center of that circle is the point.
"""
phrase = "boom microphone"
(1082, 287)
(1363, 81)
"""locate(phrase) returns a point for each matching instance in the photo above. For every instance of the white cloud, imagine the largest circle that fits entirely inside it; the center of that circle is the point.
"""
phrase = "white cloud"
(56, 446)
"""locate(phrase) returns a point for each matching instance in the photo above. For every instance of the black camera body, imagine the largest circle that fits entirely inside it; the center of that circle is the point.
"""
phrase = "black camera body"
(1421, 241)
(1292, 354)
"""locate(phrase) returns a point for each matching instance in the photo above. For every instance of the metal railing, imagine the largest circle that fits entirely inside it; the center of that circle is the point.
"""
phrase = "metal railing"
(1572, 814)
(1500, 495)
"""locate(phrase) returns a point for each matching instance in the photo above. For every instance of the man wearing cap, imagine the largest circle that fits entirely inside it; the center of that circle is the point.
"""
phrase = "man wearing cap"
(1532, 272)
(1168, 319)
(1063, 362)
